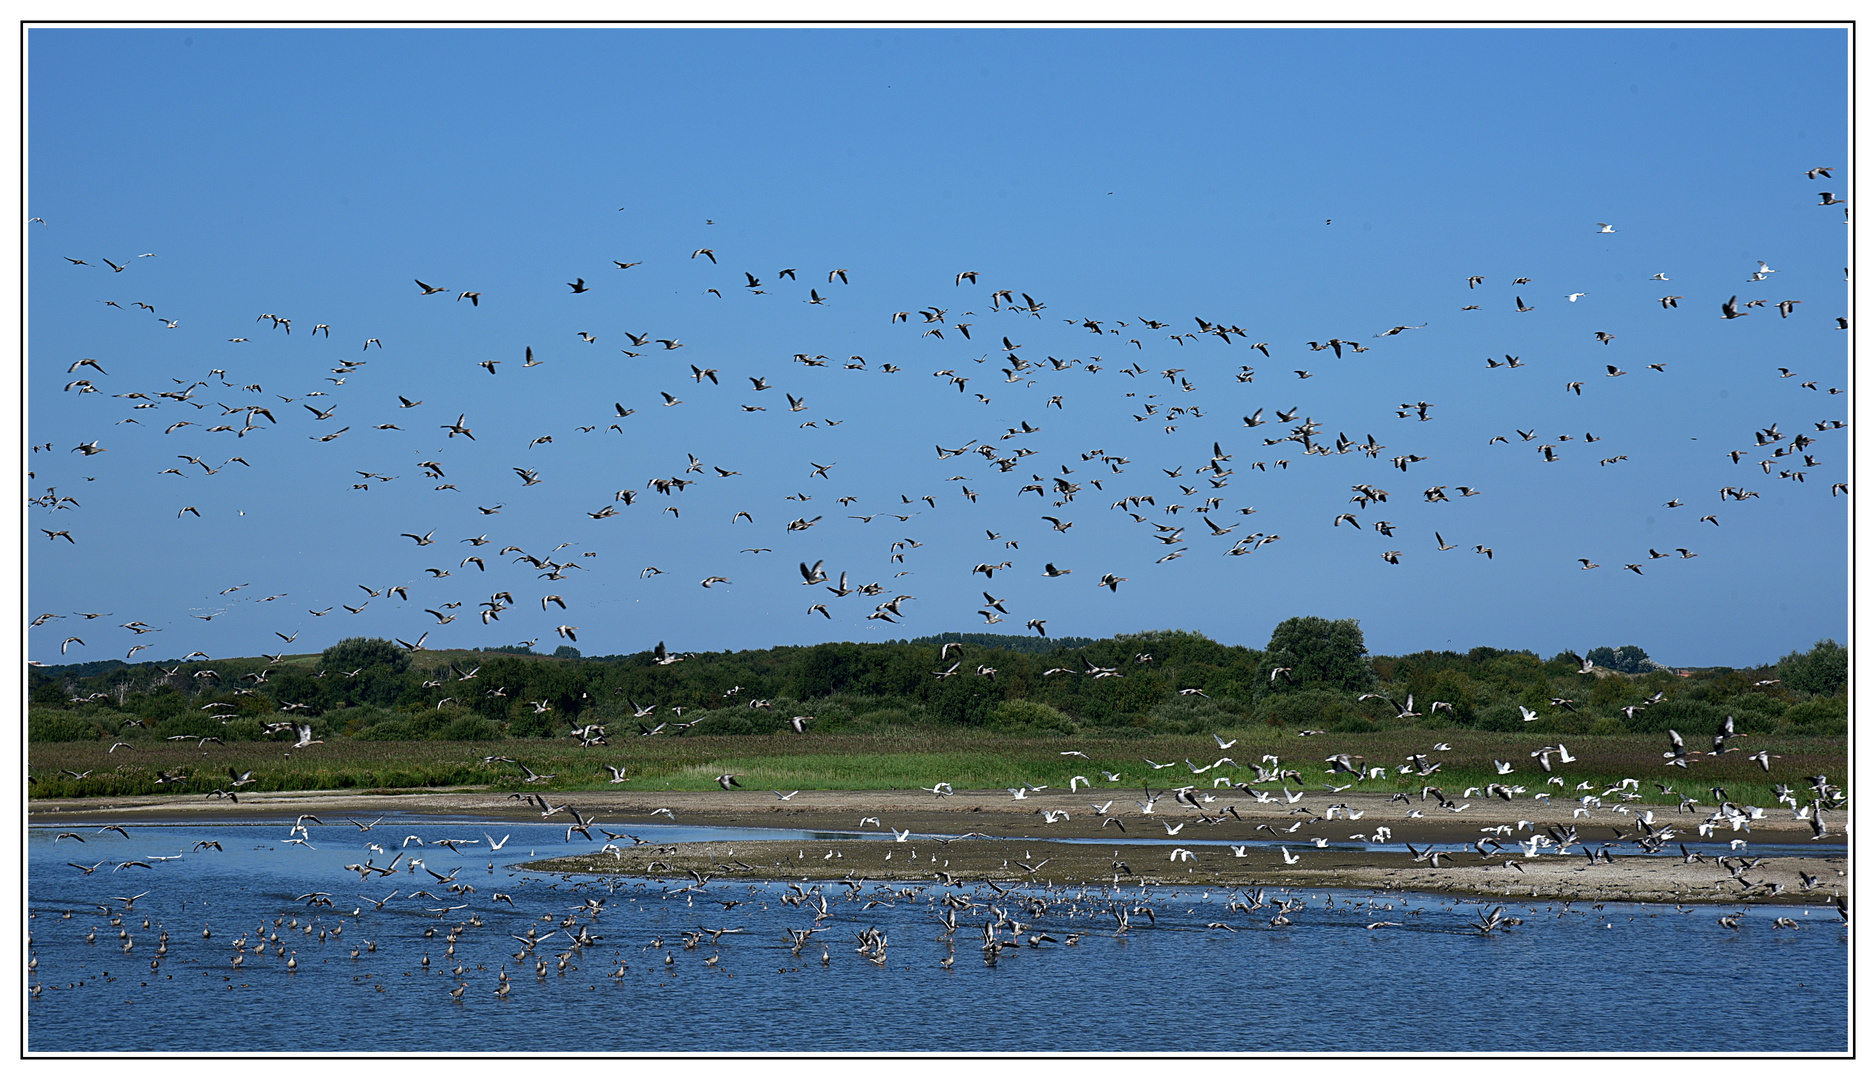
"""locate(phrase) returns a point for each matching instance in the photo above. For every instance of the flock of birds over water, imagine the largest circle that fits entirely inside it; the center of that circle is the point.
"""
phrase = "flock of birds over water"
(194, 429)
(434, 908)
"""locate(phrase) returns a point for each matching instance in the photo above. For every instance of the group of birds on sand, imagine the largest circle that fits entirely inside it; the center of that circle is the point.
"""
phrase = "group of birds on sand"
(1649, 834)
(1255, 779)
(1178, 497)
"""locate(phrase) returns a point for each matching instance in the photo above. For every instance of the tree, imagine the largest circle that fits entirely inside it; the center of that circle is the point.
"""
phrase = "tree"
(356, 653)
(46, 691)
(567, 652)
(1823, 670)
(828, 668)
(1629, 659)
(379, 666)
(1319, 653)
(965, 701)
(293, 687)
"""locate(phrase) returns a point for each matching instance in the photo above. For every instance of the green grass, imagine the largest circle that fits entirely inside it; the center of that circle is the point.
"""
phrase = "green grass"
(921, 757)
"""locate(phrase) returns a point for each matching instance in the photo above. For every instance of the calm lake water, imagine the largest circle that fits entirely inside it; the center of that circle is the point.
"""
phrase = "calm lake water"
(1622, 977)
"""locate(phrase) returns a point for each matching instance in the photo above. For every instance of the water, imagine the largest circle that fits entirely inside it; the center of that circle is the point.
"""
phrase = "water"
(1636, 978)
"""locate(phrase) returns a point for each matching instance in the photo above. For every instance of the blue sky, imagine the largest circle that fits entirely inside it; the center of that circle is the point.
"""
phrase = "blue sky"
(1298, 184)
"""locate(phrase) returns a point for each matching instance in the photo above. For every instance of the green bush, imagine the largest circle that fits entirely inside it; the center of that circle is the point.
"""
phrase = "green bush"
(1824, 670)
(197, 724)
(388, 731)
(1194, 715)
(351, 721)
(1819, 715)
(1306, 709)
(829, 714)
(469, 728)
(533, 725)
(1610, 691)
(1830, 729)
(883, 720)
(161, 703)
(1503, 716)
(50, 693)
(1753, 712)
(57, 725)
(1019, 715)
(246, 729)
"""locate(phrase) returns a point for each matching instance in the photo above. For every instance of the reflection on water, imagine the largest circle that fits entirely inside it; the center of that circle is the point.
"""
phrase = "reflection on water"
(329, 963)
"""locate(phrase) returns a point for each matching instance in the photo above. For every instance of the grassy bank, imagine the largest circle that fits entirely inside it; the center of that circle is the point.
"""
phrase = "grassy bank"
(914, 758)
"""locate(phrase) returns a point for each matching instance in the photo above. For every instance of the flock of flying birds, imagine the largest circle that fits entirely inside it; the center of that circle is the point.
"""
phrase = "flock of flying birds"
(211, 416)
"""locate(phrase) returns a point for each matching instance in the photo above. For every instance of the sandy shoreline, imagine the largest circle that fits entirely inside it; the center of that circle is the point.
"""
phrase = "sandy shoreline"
(1008, 863)
(1418, 822)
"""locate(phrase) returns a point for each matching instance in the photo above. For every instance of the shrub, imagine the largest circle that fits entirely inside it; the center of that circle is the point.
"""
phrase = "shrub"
(883, 719)
(161, 703)
(1030, 714)
(1817, 713)
(829, 715)
(1195, 715)
(1610, 691)
(533, 725)
(388, 731)
(1823, 670)
(351, 721)
(1503, 716)
(246, 729)
(1306, 709)
(57, 725)
(48, 692)
(470, 728)
(1828, 728)
(198, 725)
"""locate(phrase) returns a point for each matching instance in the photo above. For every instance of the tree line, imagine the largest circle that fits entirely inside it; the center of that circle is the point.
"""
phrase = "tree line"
(1313, 673)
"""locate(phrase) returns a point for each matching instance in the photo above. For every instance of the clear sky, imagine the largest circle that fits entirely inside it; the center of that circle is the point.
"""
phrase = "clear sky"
(1300, 185)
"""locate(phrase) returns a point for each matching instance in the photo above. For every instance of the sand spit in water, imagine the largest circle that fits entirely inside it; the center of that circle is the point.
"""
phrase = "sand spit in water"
(1031, 840)
(1010, 863)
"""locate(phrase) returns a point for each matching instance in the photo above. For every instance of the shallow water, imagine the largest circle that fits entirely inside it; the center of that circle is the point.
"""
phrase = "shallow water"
(1622, 977)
